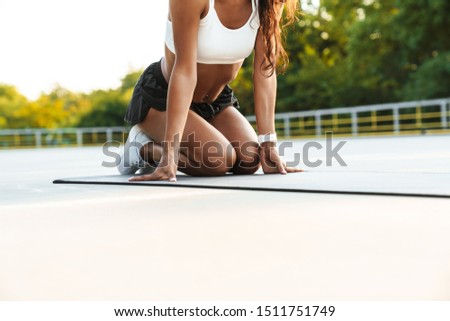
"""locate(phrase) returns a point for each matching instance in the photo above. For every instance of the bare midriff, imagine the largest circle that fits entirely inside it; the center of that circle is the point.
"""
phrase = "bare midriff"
(211, 78)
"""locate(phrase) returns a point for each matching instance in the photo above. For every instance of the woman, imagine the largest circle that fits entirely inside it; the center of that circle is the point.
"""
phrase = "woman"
(184, 113)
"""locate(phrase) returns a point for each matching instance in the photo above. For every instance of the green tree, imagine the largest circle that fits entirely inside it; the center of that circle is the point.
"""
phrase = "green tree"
(10, 102)
(422, 28)
(59, 108)
(129, 81)
(431, 80)
(107, 109)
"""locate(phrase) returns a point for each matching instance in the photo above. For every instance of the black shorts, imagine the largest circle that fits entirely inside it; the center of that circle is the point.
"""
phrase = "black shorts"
(151, 92)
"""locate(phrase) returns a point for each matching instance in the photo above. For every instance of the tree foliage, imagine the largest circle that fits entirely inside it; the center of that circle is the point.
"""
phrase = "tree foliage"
(10, 102)
(63, 108)
(360, 52)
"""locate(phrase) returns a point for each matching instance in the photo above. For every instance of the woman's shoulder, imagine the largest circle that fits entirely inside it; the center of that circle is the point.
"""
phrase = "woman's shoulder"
(188, 7)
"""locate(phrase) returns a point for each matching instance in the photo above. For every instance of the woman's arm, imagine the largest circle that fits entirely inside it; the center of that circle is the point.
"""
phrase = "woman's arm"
(185, 16)
(265, 89)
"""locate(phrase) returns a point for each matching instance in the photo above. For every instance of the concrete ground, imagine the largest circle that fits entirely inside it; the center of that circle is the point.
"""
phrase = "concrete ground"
(87, 242)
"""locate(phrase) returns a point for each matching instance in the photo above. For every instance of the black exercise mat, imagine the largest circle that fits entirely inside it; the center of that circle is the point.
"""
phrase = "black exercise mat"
(415, 184)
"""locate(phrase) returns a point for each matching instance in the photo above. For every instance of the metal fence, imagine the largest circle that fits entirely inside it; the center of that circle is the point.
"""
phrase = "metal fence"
(12, 138)
(394, 118)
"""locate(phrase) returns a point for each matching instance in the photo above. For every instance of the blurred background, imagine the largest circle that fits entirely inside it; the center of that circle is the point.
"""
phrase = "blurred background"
(67, 69)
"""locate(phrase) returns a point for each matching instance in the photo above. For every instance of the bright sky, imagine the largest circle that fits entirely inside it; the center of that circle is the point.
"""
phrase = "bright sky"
(81, 45)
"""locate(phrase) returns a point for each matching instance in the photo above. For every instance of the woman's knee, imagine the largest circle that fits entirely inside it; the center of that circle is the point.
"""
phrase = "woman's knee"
(211, 158)
(218, 158)
(248, 160)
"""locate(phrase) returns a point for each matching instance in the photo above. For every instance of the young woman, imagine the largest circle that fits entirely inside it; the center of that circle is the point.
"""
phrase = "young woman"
(184, 113)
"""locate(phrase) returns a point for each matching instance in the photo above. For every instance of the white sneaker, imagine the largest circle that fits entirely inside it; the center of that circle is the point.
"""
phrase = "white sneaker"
(130, 157)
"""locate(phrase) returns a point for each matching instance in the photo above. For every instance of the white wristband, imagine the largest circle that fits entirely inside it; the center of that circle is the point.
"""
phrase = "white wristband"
(271, 137)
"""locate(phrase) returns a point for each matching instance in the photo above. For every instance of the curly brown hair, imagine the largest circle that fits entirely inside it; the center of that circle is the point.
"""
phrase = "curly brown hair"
(276, 58)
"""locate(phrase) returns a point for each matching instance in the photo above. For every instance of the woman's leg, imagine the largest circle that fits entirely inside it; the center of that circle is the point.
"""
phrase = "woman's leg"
(203, 150)
(236, 128)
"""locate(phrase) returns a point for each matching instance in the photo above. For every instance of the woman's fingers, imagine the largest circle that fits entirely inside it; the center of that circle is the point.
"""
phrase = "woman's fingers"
(147, 177)
(161, 173)
(154, 177)
(293, 170)
(277, 166)
(281, 167)
(151, 177)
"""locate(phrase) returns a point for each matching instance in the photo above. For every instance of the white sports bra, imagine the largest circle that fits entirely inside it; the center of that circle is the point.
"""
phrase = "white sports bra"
(218, 44)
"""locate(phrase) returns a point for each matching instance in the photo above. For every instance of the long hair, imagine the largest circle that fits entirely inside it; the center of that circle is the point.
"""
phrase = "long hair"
(276, 58)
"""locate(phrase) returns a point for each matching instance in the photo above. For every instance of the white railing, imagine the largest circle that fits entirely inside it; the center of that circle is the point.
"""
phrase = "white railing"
(388, 118)
(40, 137)
(393, 117)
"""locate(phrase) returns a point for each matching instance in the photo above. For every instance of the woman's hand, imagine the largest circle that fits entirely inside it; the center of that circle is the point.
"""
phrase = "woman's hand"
(271, 162)
(166, 171)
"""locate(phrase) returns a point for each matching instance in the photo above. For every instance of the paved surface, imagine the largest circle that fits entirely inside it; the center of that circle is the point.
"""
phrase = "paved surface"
(88, 242)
